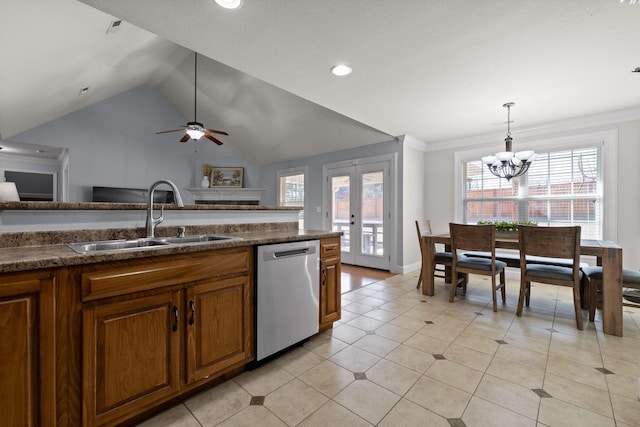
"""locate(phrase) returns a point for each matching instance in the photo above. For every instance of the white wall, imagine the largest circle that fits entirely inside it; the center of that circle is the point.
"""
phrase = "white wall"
(113, 143)
(439, 173)
(413, 202)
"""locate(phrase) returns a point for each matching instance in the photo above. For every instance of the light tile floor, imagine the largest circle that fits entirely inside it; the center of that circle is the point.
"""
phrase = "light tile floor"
(398, 358)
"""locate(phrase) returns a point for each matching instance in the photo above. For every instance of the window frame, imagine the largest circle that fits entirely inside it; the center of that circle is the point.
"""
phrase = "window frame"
(299, 170)
(608, 140)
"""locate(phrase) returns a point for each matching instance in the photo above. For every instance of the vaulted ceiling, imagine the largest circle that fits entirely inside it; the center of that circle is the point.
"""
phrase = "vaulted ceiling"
(433, 69)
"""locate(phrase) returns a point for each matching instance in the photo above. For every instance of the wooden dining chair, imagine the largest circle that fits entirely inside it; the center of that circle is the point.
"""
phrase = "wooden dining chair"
(592, 282)
(480, 238)
(550, 242)
(442, 259)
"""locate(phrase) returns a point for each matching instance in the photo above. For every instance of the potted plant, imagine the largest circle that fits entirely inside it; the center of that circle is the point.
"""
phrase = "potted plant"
(507, 229)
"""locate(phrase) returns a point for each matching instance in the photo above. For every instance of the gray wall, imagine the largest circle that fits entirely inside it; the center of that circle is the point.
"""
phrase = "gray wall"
(113, 143)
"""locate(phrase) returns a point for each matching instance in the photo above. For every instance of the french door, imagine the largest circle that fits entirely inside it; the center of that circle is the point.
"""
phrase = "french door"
(359, 206)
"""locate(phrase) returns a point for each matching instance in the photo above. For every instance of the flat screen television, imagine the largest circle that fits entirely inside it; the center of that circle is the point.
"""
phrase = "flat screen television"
(130, 195)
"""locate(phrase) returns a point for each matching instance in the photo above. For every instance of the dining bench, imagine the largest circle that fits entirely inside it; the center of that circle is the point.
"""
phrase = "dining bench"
(513, 259)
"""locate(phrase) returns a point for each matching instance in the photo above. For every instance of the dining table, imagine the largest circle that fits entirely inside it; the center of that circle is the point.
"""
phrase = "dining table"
(608, 254)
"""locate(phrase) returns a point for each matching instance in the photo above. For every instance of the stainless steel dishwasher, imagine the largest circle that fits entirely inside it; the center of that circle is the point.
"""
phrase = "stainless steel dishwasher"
(287, 294)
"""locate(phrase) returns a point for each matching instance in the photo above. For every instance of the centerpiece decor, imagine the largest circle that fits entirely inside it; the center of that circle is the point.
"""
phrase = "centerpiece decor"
(507, 229)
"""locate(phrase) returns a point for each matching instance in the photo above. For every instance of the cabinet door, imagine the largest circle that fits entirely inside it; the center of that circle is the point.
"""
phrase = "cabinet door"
(330, 295)
(130, 355)
(219, 324)
(27, 364)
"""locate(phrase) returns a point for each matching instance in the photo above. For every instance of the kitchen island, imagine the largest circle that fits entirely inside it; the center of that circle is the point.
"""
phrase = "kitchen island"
(107, 337)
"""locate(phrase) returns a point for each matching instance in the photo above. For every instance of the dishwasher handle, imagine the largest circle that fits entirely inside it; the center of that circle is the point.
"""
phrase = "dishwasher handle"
(291, 252)
(288, 253)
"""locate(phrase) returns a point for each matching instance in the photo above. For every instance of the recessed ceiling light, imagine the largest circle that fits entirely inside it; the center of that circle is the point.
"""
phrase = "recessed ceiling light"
(229, 4)
(84, 90)
(341, 70)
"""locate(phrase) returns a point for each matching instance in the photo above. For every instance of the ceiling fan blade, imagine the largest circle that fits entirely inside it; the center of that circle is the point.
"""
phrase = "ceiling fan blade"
(167, 131)
(221, 132)
(213, 139)
(185, 138)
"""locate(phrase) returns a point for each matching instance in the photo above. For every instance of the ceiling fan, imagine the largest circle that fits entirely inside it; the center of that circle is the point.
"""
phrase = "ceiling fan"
(195, 130)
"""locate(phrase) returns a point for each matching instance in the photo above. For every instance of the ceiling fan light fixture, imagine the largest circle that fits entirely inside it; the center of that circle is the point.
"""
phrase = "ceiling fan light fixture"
(341, 70)
(229, 4)
(196, 130)
(195, 134)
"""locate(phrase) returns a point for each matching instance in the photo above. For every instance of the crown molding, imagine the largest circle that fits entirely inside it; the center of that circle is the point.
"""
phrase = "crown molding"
(413, 142)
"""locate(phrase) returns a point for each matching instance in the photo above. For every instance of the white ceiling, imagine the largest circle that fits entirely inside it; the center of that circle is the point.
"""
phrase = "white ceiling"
(436, 69)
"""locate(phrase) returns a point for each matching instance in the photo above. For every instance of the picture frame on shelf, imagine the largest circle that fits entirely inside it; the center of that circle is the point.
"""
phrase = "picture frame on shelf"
(224, 177)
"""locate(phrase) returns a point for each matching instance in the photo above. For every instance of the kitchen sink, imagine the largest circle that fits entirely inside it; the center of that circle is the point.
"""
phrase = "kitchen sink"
(197, 239)
(115, 245)
(120, 245)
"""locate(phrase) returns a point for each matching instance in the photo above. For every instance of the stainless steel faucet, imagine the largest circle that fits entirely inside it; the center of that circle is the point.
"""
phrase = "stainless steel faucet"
(151, 221)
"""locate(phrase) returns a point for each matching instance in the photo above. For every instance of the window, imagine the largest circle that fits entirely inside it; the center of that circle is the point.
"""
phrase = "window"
(564, 186)
(291, 183)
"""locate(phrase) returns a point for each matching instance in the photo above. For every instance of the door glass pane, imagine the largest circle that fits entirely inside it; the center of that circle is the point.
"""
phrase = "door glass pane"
(372, 211)
(340, 209)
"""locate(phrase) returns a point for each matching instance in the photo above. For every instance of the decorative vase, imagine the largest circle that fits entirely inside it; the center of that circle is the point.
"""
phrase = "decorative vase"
(205, 182)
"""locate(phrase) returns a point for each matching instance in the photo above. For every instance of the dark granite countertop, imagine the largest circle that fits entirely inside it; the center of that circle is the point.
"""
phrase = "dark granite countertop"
(24, 258)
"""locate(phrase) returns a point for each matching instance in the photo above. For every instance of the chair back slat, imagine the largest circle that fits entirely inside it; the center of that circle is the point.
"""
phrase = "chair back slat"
(473, 237)
(551, 242)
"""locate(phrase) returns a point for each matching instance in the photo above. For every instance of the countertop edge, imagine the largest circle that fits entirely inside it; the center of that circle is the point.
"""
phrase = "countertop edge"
(25, 258)
(62, 206)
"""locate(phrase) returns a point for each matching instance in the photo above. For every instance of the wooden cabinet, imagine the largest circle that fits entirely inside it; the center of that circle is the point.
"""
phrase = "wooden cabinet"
(107, 343)
(157, 328)
(219, 326)
(131, 353)
(330, 293)
(27, 346)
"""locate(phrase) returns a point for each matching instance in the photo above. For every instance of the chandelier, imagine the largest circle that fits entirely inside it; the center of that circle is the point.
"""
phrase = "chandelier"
(507, 164)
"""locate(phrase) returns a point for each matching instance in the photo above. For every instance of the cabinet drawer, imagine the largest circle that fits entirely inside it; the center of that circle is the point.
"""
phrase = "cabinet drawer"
(330, 247)
(121, 279)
